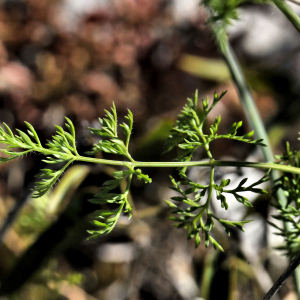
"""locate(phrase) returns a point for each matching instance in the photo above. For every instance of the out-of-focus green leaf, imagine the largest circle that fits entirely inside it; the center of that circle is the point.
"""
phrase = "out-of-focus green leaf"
(207, 68)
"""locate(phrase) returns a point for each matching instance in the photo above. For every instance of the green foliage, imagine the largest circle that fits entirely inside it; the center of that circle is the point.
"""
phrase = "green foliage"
(110, 142)
(193, 212)
(48, 179)
(108, 218)
(290, 214)
(61, 149)
(187, 132)
(13, 141)
(222, 13)
(191, 208)
(231, 134)
(239, 189)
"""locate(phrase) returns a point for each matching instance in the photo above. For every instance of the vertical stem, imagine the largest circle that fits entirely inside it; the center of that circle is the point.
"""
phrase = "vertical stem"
(125, 187)
(208, 273)
(254, 120)
(211, 187)
(288, 12)
(233, 279)
(295, 20)
(212, 171)
(128, 200)
(250, 109)
(247, 100)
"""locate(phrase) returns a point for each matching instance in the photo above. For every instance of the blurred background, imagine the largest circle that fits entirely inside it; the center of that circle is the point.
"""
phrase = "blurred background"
(74, 58)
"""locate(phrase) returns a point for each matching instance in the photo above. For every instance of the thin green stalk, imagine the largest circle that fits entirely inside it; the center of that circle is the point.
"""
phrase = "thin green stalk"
(211, 187)
(212, 163)
(250, 109)
(127, 191)
(209, 270)
(295, 20)
(288, 12)
(247, 100)
(251, 112)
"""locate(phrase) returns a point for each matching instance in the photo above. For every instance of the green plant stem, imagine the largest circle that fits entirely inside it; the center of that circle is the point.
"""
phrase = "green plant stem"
(247, 100)
(211, 187)
(212, 163)
(288, 12)
(249, 106)
(128, 190)
(251, 112)
(295, 20)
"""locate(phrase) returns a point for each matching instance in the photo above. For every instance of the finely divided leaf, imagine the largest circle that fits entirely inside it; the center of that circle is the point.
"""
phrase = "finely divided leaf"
(110, 142)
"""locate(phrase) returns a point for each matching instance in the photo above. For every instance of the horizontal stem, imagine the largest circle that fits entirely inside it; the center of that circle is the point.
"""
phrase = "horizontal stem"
(102, 161)
(217, 163)
(258, 165)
